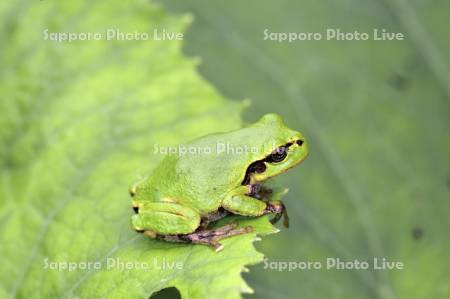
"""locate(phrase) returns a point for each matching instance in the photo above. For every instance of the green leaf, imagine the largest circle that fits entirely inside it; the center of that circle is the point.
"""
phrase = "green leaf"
(376, 113)
(78, 125)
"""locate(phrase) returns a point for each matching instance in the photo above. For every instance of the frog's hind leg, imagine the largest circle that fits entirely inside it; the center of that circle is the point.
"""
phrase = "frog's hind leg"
(176, 223)
(165, 218)
(213, 217)
(208, 237)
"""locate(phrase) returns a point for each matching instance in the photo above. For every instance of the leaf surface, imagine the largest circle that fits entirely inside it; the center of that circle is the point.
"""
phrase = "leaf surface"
(79, 123)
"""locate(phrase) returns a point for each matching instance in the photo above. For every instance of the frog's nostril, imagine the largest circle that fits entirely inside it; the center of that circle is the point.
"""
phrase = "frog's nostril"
(136, 210)
(299, 142)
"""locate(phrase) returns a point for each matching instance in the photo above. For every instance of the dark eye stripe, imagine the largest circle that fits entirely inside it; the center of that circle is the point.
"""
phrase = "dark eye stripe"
(259, 166)
(255, 167)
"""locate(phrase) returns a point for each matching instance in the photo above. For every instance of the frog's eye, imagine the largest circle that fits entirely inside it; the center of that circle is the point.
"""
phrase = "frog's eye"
(278, 155)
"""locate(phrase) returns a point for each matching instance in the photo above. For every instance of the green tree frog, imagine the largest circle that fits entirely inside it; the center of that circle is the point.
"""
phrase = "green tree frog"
(216, 175)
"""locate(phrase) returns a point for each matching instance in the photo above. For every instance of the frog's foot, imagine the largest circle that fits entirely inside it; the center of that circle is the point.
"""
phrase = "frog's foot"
(277, 208)
(212, 217)
(209, 237)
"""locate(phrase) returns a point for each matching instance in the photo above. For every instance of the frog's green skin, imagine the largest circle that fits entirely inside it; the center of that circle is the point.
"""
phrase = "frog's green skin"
(184, 188)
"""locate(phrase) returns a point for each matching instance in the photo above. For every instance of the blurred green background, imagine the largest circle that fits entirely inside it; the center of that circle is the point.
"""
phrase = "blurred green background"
(377, 114)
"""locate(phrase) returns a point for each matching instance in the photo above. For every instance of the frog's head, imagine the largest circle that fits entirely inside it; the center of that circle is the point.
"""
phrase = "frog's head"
(282, 149)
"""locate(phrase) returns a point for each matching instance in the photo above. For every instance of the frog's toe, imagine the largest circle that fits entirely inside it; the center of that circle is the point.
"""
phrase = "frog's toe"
(150, 234)
(135, 223)
(217, 247)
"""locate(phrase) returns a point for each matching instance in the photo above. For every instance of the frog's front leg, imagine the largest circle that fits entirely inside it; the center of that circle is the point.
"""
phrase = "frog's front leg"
(277, 207)
(241, 203)
(259, 191)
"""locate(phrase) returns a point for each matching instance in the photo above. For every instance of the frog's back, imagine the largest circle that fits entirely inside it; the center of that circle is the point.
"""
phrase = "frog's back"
(198, 180)
(210, 168)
